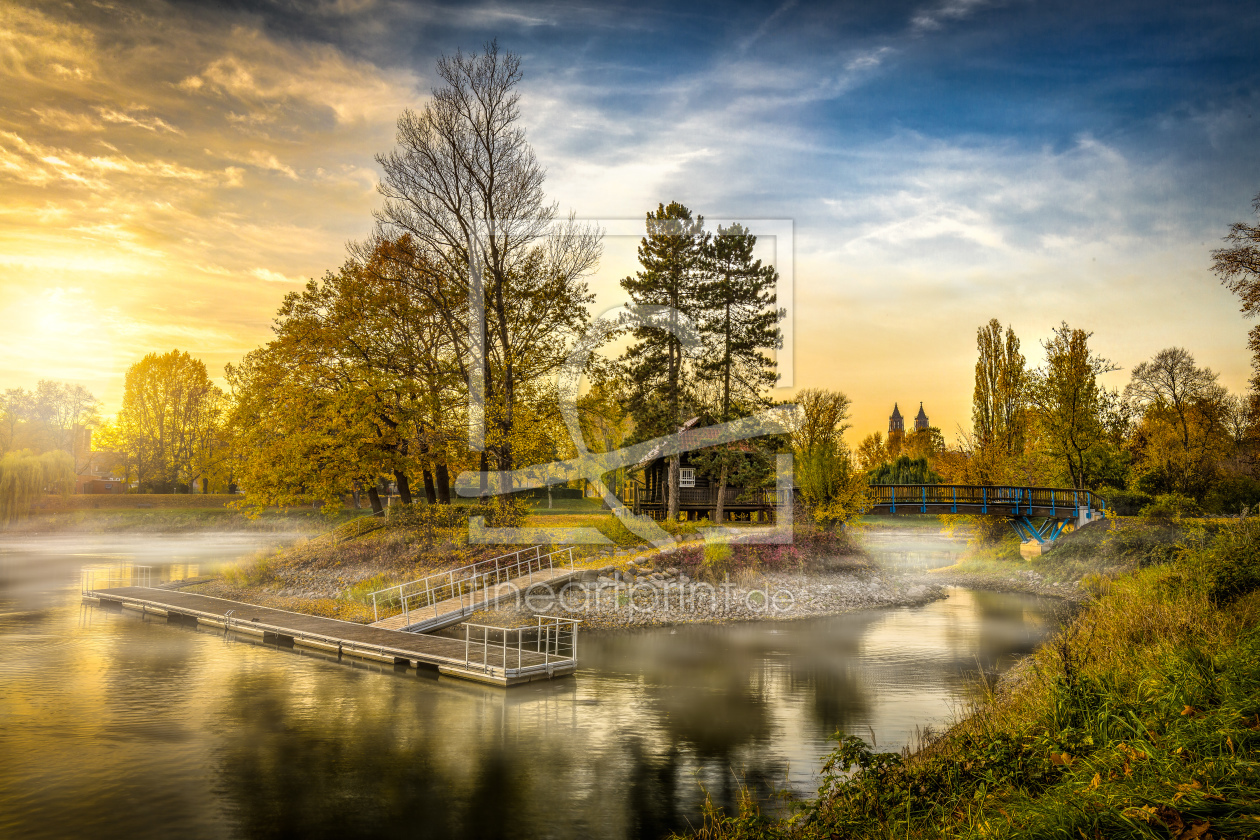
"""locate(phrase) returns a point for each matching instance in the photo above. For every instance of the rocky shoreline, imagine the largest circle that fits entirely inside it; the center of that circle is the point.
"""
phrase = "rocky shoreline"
(1026, 581)
(647, 596)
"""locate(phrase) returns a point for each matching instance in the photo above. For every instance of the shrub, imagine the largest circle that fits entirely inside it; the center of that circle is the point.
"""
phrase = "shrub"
(427, 518)
(1228, 566)
(1170, 507)
(717, 558)
(1232, 495)
(1125, 502)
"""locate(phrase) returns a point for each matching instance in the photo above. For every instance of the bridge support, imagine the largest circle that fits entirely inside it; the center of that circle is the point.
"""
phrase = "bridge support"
(1036, 539)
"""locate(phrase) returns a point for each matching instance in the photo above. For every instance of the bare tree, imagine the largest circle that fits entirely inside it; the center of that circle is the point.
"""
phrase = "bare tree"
(1238, 267)
(1173, 381)
(475, 234)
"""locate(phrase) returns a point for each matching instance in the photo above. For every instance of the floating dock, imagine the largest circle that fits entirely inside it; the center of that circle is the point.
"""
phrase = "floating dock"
(498, 656)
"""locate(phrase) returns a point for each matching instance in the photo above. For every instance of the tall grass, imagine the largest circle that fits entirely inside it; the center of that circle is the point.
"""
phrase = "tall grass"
(1139, 719)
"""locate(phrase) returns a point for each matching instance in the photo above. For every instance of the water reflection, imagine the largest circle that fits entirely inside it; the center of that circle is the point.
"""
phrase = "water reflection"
(113, 724)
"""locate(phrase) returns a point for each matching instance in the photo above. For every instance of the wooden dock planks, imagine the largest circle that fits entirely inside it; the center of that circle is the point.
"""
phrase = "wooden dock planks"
(452, 656)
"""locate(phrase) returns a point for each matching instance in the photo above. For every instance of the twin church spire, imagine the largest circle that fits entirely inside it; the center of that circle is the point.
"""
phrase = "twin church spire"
(897, 424)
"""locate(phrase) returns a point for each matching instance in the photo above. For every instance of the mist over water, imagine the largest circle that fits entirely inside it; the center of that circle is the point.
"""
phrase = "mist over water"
(112, 725)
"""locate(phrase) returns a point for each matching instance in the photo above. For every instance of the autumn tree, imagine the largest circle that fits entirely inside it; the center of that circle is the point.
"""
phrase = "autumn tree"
(828, 479)
(358, 383)
(1069, 404)
(923, 443)
(658, 365)
(872, 451)
(168, 422)
(472, 232)
(605, 422)
(999, 402)
(1182, 432)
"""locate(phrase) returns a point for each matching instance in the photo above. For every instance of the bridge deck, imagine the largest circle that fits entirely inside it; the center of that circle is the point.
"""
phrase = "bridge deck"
(1037, 502)
(475, 661)
(454, 610)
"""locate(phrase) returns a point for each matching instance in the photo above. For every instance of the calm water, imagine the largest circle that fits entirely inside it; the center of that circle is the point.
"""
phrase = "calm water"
(114, 726)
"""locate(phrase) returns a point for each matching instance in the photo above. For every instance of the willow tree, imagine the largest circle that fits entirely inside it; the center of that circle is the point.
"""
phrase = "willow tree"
(25, 476)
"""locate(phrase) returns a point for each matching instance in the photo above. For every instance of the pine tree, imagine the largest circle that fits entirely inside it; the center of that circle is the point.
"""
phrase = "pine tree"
(671, 273)
(738, 322)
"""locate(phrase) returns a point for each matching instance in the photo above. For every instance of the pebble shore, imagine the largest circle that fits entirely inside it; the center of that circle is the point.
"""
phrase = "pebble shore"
(611, 598)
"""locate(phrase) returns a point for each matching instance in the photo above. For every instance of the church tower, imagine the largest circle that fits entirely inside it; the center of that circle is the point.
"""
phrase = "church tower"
(921, 421)
(895, 423)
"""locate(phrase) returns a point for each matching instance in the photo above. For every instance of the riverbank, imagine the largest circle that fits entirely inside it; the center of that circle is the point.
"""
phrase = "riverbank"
(1139, 719)
(170, 521)
(176, 513)
(1080, 559)
(820, 573)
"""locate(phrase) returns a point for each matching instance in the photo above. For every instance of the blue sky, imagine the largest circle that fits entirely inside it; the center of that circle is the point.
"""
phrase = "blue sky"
(942, 163)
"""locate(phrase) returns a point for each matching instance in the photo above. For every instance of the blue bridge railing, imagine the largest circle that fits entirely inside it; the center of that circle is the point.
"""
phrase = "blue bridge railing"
(1052, 502)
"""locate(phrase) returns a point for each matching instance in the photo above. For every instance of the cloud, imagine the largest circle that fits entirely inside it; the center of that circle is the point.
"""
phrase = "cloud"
(765, 25)
(935, 17)
(111, 115)
(263, 76)
(65, 121)
(269, 276)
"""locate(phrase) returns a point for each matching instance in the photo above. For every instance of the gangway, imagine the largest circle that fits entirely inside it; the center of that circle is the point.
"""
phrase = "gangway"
(445, 598)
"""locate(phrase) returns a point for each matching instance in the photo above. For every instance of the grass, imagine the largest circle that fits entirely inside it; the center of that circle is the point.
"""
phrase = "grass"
(569, 507)
(900, 523)
(1140, 719)
(1109, 548)
(177, 520)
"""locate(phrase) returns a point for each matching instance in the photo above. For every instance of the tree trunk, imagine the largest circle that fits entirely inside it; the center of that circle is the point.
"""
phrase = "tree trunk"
(375, 498)
(355, 495)
(548, 497)
(404, 487)
(443, 484)
(430, 492)
(720, 515)
(671, 487)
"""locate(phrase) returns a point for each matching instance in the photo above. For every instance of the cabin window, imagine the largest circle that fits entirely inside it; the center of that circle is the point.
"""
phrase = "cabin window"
(686, 477)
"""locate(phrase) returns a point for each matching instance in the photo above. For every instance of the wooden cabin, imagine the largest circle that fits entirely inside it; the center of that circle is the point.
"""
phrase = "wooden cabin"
(697, 493)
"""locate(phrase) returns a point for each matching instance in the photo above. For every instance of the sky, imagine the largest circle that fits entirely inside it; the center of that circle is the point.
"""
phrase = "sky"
(170, 170)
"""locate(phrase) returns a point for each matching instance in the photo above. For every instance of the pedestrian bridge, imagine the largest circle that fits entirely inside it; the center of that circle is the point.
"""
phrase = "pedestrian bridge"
(1056, 508)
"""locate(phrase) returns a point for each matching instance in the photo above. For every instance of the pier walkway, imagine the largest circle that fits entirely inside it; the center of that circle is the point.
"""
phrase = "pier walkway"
(446, 598)
(500, 656)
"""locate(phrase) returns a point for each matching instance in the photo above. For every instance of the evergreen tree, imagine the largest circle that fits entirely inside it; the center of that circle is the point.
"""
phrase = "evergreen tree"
(738, 323)
(657, 364)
